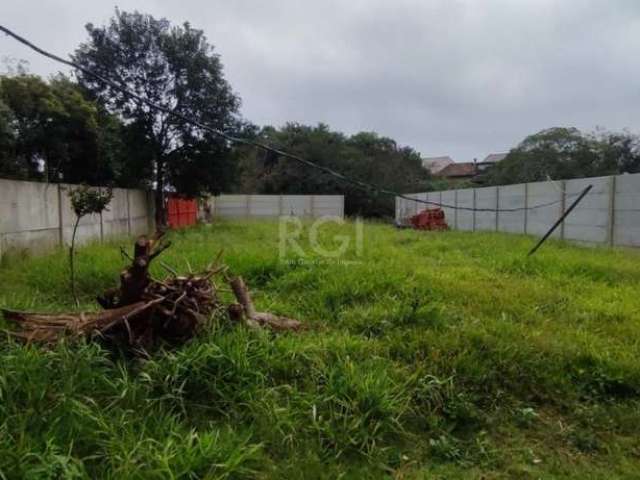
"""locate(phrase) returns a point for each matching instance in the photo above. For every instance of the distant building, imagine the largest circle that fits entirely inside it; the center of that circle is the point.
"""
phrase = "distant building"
(494, 157)
(457, 172)
(483, 167)
(436, 164)
(489, 161)
(469, 171)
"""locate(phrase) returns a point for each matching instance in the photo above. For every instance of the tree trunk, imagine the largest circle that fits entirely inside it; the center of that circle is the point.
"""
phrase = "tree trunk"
(161, 213)
(135, 279)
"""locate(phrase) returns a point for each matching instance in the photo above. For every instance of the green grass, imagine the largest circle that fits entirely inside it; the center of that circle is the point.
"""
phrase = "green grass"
(430, 355)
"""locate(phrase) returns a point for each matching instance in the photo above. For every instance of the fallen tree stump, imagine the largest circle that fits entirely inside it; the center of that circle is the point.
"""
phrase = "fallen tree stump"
(135, 279)
(144, 312)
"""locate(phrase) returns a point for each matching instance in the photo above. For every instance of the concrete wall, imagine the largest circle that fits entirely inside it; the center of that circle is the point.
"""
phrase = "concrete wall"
(466, 199)
(541, 218)
(590, 220)
(38, 216)
(609, 214)
(486, 198)
(449, 198)
(261, 206)
(510, 197)
(626, 222)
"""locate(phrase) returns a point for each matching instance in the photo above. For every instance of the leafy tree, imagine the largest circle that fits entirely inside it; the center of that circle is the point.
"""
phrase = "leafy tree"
(619, 152)
(33, 109)
(85, 152)
(560, 153)
(364, 156)
(53, 132)
(381, 161)
(8, 164)
(175, 67)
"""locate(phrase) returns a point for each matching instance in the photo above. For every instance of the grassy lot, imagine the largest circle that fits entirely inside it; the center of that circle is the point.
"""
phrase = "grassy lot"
(431, 355)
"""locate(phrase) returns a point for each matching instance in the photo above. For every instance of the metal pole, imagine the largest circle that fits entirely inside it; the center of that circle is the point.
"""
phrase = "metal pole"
(560, 220)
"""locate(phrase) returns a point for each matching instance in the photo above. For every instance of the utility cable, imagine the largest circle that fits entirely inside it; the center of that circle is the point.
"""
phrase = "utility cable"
(363, 185)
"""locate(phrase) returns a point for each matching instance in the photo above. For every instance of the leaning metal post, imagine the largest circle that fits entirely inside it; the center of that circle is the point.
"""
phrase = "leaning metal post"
(560, 220)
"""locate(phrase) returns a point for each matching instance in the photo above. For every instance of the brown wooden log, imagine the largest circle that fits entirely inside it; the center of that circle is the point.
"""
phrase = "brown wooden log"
(275, 322)
(241, 292)
(49, 327)
(251, 317)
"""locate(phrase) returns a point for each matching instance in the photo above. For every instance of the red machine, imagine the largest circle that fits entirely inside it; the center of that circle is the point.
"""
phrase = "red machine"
(429, 219)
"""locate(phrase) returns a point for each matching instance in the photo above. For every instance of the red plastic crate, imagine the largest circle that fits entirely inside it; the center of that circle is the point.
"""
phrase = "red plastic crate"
(182, 212)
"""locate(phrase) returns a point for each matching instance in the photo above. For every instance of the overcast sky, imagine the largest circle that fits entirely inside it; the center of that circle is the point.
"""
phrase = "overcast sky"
(447, 77)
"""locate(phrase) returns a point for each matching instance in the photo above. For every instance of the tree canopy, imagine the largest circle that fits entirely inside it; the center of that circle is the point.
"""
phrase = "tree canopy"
(175, 67)
(560, 153)
(50, 131)
(364, 156)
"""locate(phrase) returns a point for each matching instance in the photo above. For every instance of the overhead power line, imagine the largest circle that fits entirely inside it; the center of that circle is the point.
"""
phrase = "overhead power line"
(363, 185)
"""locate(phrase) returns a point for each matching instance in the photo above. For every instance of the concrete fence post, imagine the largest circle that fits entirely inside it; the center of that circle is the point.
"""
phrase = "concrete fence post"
(455, 210)
(497, 209)
(280, 205)
(128, 213)
(395, 208)
(60, 224)
(563, 204)
(526, 207)
(247, 206)
(312, 206)
(100, 189)
(151, 210)
(473, 211)
(612, 211)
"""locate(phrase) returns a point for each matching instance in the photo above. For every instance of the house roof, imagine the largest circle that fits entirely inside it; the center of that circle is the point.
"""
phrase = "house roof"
(494, 157)
(463, 169)
(435, 164)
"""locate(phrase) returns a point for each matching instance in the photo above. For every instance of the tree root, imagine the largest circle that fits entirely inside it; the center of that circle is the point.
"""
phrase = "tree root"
(144, 312)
